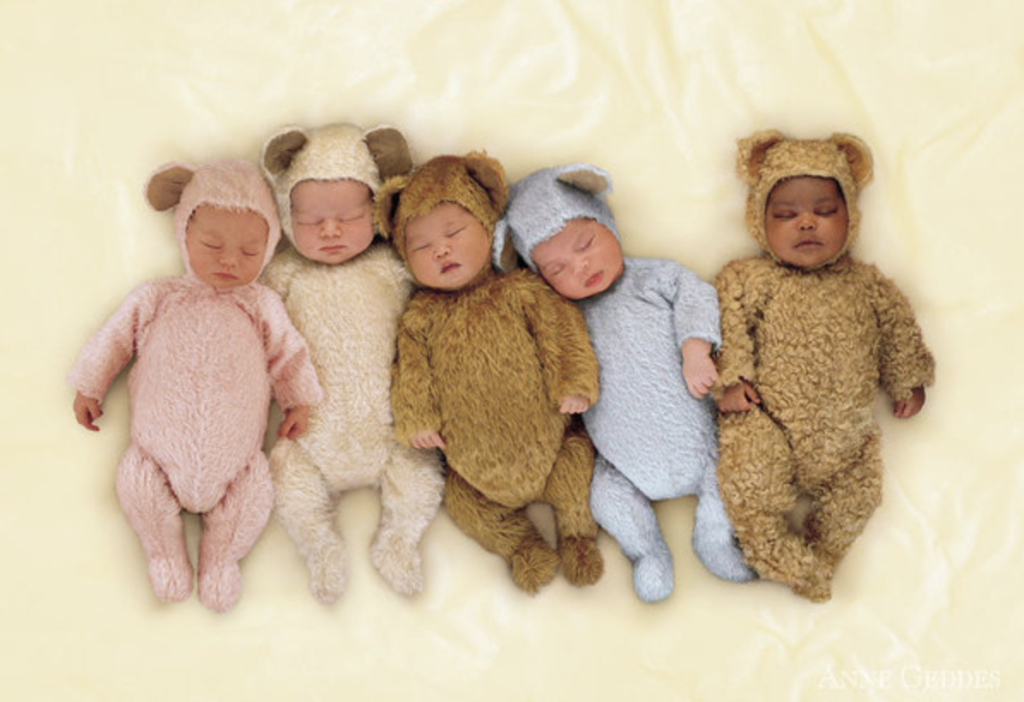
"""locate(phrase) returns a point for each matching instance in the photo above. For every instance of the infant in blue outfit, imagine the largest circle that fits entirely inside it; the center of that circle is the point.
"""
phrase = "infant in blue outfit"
(653, 325)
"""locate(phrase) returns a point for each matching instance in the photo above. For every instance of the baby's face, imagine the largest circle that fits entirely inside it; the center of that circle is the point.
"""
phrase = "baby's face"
(581, 260)
(447, 247)
(225, 248)
(332, 220)
(806, 221)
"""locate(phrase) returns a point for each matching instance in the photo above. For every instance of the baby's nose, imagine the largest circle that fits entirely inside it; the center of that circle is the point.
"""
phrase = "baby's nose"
(331, 227)
(442, 250)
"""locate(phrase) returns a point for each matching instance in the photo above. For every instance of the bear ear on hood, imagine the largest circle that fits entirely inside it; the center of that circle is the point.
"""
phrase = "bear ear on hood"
(588, 179)
(282, 148)
(752, 151)
(390, 151)
(490, 175)
(164, 188)
(857, 155)
(385, 204)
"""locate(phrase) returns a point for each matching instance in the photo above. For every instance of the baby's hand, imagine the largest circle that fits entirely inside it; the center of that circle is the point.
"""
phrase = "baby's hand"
(573, 404)
(427, 440)
(905, 409)
(739, 398)
(698, 369)
(295, 423)
(87, 411)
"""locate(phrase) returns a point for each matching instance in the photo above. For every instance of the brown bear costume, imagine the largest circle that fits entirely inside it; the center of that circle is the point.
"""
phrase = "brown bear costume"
(485, 366)
(815, 343)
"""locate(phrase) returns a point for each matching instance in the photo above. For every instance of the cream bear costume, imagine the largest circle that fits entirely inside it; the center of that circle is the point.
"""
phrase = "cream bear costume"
(349, 315)
(200, 389)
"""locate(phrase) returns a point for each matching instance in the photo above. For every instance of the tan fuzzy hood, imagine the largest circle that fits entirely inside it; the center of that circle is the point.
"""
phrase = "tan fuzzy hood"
(769, 157)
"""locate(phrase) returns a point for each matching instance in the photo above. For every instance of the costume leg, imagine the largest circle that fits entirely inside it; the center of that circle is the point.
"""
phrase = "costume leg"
(503, 530)
(714, 540)
(845, 503)
(568, 491)
(155, 514)
(626, 513)
(410, 495)
(756, 478)
(308, 512)
(230, 530)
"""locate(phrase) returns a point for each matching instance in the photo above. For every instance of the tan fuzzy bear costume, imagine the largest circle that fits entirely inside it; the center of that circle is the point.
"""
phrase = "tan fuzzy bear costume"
(485, 366)
(348, 313)
(815, 344)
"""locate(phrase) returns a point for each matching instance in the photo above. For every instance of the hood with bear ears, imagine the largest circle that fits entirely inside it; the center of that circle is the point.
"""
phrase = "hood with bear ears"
(474, 181)
(331, 152)
(769, 157)
(230, 184)
(541, 203)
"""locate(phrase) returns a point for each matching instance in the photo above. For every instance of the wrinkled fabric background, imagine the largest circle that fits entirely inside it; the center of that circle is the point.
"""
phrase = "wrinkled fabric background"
(97, 94)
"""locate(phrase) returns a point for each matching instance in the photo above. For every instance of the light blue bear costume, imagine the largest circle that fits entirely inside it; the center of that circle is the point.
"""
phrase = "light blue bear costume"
(654, 440)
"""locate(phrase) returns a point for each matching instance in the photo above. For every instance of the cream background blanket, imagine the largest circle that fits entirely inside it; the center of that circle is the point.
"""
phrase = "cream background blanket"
(95, 95)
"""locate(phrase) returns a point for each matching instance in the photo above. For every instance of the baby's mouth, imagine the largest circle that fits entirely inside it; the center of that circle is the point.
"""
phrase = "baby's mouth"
(808, 244)
(449, 267)
(594, 279)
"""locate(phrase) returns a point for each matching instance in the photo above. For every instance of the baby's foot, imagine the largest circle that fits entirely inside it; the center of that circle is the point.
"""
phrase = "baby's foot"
(534, 564)
(653, 579)
(399, 563)
(816, 584)
(327, 574)
(582, 563)
(220, 585)
(721, 555)
(171, 578)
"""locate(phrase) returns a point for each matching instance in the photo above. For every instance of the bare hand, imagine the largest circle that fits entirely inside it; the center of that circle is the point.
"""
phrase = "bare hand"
(699, 370)
(573, 404)
(295, 423)
(87, 411)
(739, 398)
(427, 440)
(905, 409)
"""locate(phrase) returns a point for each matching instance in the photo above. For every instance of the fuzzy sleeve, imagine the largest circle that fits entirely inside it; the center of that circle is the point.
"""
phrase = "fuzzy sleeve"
(563, 346)
(738, 319)
(292, 375)
(694, 304)
(904, 361)
(110, 348)
(413, 401)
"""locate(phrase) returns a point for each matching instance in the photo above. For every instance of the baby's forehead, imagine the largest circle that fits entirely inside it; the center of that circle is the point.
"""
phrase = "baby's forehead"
(314, 191)
(823, 185)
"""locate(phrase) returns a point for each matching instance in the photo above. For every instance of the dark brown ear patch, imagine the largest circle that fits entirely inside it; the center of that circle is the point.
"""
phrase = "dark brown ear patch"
(281, 150)
(390, 152)
(163, 191)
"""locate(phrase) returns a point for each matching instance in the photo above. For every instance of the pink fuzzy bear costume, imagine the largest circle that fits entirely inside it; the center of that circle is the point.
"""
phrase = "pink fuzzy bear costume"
(200, 389)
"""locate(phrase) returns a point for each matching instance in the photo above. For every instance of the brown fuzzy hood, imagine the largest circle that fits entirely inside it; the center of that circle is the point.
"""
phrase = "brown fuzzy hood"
(766, 158)
(475, 182)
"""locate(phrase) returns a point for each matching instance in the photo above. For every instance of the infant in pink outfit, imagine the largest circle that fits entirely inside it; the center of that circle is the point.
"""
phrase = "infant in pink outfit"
(212, 346)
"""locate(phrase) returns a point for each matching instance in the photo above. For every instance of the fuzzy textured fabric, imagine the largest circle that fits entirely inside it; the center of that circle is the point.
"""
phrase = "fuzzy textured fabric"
(486, 367)
(332, 152)
(654, 440)
(207, 362)
(348, 314)
(815, 344)
(540, 204)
